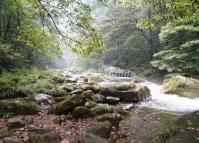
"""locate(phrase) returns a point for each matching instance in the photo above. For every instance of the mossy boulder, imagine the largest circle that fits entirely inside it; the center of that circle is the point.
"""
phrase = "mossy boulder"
(186, 129)
(102, 109)
(103, 129)
(70, 103)
(114, 118)
(92, 138)
(17, 108)
(127, 93)
(183, 86)
(43, 136)
(90, 104)
(82, 112)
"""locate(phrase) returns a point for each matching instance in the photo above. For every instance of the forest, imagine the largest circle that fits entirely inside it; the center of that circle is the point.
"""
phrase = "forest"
(99, 71)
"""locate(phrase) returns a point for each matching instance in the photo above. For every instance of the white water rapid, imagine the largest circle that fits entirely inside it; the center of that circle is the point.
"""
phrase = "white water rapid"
(170, 102)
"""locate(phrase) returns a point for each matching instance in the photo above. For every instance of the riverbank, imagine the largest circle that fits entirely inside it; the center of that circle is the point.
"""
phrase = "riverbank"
(67, 106)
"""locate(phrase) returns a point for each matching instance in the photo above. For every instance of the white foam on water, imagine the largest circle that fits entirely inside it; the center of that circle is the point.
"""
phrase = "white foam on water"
(171, 102)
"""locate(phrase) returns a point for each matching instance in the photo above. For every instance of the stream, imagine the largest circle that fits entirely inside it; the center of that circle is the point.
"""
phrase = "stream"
(158, 99)
(171, 102)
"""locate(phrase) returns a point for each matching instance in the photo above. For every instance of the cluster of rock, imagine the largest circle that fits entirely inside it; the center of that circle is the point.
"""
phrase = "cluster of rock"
(81, 97)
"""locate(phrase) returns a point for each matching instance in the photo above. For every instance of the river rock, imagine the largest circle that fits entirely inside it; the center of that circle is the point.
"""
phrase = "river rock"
(114, 118)
(82, 112)
(94, 87)
(128, 107)
(76, 91)
(186, 129)
(98, 98)
(126, 92)
(17, 108)
(102, 109)
(43, 136)
(44, 98)
(103, 129)
(4, 132)
(90, 104)
(112, 100)
(70, 103)
(92, 138)
(15, 122)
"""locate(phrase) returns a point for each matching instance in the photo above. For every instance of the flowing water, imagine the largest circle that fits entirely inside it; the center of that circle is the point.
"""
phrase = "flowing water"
(158, 99)
(171, 102)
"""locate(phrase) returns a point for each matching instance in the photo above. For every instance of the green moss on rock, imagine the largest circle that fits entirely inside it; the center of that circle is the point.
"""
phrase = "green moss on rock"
(17, 108)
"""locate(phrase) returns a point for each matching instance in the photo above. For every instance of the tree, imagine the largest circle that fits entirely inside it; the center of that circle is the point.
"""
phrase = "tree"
(180, 53)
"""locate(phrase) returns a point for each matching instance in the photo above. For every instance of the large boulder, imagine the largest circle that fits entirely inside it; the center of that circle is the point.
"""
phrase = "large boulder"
(186, 129)
(126, 92)
(17, 108)
(82, 112)
(183, 86)
(92, 138)
(43, 136)
(103, 129)
(70, 103)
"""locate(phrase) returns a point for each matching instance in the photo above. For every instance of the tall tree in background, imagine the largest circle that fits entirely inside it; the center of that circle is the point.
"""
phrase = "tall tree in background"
(46, 26)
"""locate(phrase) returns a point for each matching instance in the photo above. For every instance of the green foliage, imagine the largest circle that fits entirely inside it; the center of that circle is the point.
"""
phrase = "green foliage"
(175, 85)
(181, 52)
(39, 30)
(168, 11)
(31, 81)
(8, 56)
